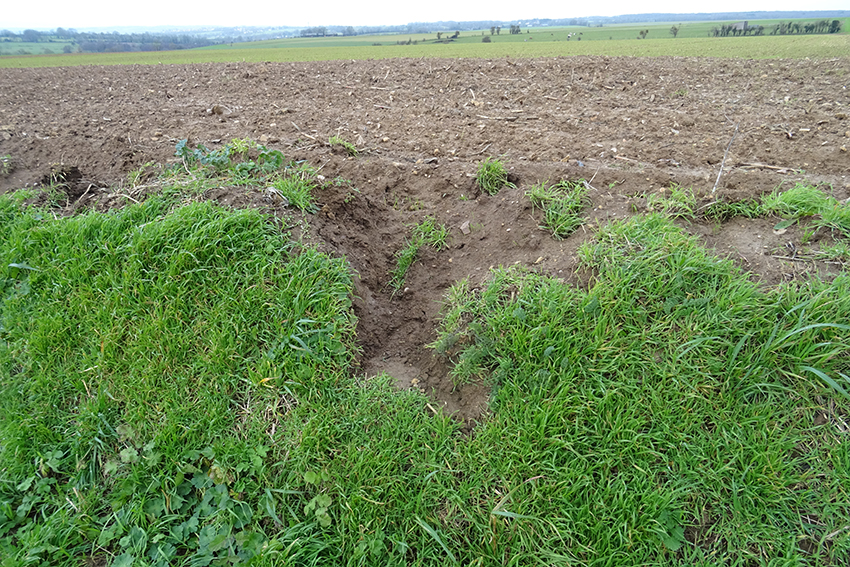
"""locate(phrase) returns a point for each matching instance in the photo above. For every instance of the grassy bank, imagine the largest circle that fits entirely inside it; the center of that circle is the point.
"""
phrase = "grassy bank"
(176, 389)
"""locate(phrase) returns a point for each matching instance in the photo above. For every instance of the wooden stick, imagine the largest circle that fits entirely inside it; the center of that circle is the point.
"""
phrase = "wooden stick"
(766, 166)
(719, 173)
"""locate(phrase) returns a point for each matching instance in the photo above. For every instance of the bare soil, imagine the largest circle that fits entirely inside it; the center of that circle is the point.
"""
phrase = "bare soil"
(630, 126)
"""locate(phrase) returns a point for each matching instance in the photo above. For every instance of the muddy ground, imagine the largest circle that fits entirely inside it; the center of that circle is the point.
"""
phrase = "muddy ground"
(630, 126)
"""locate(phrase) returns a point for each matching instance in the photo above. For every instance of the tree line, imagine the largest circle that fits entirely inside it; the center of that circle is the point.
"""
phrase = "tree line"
(94, 42)
(782, 28)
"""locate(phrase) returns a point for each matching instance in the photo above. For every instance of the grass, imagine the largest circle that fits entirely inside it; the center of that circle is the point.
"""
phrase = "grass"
(725, 210)
(541, 43)
(349, 148)
(665, 415)
(803, 201)
(426, 233)
(562, 205)
(492, 176)
(679, 203)
(177, 388)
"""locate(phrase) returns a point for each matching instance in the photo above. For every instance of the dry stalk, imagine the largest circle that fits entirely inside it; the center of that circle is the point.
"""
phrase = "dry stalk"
(719, 173)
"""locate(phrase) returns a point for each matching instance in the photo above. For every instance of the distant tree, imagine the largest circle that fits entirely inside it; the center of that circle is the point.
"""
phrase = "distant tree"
(642, 34)
(486, 39)
(675, 31)
(492, 30)
(456, 35)
(31, 35)
(835, 26)
(67, 49)
(498, 30)
(349, 31)
(439, 35)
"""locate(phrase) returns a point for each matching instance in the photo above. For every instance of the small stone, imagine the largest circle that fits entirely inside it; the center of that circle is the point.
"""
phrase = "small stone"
(464, 228)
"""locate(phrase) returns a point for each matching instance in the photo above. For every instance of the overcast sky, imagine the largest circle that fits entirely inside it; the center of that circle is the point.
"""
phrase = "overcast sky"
(49, 14)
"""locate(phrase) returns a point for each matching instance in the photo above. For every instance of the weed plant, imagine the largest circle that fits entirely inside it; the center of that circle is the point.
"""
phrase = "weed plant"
(562, 205)
(242, 163)
(492, 176)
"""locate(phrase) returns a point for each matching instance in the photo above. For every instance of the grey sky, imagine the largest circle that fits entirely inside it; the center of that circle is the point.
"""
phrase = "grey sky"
(48, 14)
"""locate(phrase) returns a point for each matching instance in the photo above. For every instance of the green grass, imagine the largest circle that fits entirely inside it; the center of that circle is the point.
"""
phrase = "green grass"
(34, 48)
(541, 43)
(724, 210)
(665, 416)
(492, 176)
(349, 148)
(809, 201)
(426, 233)
(675, 201)
(562, 205)
(177, 388)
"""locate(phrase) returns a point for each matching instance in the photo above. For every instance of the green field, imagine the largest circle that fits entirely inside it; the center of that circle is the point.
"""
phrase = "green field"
(31, 48)
(177, 388)
(692, 41)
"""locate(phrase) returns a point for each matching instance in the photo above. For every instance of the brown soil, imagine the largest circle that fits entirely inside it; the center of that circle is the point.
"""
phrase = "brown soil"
(633, 126)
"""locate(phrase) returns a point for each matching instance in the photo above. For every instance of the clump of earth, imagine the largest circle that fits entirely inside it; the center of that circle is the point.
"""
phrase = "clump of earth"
(631, 127)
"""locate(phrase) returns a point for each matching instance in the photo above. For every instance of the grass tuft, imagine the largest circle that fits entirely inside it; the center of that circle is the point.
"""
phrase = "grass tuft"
(426, 233)
(562, 205)
(349, 148)
(809, 201)
(492, 176)
(680, 202)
